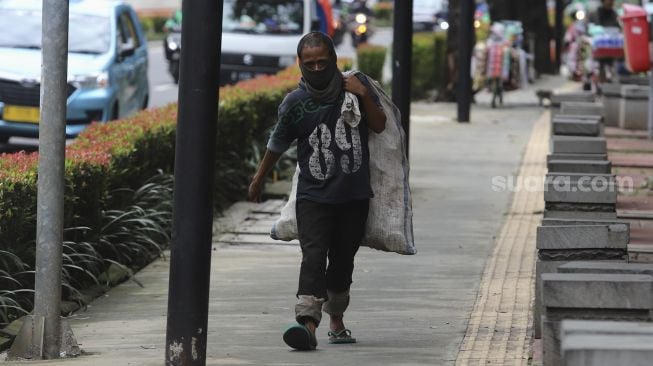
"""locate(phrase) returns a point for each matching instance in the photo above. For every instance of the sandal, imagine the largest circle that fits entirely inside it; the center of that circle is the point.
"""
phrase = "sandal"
(298, 336)
(342, 336)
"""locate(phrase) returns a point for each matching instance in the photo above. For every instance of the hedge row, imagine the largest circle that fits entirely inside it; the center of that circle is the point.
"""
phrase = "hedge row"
(383, 12)
(371, 59)
(429, 60)
(104, 157)
(107, 157)
(153, 25)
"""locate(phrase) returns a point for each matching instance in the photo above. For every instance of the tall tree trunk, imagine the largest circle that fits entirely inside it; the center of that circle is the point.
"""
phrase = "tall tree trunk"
(448, 90)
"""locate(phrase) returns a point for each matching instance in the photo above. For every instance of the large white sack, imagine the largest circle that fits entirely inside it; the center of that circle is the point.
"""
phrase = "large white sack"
(390, 219)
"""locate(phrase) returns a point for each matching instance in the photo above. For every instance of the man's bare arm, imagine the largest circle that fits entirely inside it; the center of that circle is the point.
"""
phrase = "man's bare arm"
(255, 187)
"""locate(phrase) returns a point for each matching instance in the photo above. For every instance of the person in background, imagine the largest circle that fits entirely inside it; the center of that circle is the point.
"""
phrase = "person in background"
(605, 15)
(173, 23)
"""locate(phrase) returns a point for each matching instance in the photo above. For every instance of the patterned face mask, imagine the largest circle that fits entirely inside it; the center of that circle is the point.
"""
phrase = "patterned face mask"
(319, 79)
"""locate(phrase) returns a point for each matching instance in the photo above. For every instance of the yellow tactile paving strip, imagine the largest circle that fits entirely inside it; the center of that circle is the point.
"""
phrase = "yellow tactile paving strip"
(499, 330)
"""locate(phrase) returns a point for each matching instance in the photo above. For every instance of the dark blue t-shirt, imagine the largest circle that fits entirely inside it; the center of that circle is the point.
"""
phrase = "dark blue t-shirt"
(333, 157)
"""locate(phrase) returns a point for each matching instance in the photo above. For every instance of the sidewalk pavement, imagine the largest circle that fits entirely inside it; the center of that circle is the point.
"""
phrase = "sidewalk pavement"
(405, 310)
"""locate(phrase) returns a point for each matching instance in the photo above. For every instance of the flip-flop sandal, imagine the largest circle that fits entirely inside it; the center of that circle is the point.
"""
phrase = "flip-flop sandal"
(297, 336)
(341, 337)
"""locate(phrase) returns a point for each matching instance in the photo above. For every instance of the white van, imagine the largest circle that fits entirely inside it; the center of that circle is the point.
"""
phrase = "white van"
(261, 36)
(424, 13)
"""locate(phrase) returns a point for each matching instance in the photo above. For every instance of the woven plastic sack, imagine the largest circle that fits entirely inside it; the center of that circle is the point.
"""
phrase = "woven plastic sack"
(390, 220)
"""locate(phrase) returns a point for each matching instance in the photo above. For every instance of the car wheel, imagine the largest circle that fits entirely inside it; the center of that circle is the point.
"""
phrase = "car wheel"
(114, 113)
(174, 71)
(4, 139)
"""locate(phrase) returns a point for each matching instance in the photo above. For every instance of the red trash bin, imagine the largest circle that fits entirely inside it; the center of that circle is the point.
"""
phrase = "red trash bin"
(636, 38)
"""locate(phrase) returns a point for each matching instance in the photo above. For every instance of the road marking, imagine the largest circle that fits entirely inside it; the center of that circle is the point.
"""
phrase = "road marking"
(164, 87)
(153, 49)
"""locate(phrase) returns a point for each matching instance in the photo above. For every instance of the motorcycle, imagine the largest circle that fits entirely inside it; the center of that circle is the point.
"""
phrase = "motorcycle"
(360, 29)
(172, 48)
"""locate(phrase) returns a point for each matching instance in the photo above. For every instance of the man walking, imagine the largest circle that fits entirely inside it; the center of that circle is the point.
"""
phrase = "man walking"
(333, 189)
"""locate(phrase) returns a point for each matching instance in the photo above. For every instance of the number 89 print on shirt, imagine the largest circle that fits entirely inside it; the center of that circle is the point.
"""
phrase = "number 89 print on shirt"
(333, 157)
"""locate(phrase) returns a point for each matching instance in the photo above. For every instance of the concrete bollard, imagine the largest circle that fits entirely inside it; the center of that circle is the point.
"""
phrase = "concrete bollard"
(557, 245)
(585, 108)
(590, 296)
(578, 145)
(580, 166)
(611, 103)
(633, 112)
(576, 157)
(571, 127)
(558, 98)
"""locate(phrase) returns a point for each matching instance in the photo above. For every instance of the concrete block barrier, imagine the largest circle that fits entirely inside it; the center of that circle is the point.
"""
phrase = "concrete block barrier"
(584, 108)
(633, 112)
(558, 98)
(580, 166)
(576, 157)
(578, 145)
(611, 103)
(590, 296)
(567, 127)
(608, 350)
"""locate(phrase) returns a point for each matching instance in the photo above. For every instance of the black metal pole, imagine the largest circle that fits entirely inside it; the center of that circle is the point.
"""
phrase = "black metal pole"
(558, 33)
(402, 48)
(465, 39)
(190, 262)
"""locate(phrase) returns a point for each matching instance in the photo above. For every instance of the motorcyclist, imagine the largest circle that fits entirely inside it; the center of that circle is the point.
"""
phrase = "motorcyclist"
(360, 6)
(171, 26)
(174, 22)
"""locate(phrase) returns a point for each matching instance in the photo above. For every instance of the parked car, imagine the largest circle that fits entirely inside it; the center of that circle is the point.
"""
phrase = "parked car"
(107, 65)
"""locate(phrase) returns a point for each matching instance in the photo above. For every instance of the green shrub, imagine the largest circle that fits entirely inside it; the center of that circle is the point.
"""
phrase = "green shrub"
(383, 12)
(371, 59)
(440, 62)
(153, 24)
(125, 239)
(429, 57)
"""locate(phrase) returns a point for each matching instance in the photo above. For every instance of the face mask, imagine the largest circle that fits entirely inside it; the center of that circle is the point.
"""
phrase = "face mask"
(319, 79)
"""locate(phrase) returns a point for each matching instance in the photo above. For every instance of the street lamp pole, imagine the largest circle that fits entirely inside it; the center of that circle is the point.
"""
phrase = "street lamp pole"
(402, 48)
(465, 38)
(45, 335)
(190, 260)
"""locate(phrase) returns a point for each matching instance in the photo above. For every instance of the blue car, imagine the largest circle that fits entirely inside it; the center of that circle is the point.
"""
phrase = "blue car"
(107, 65)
